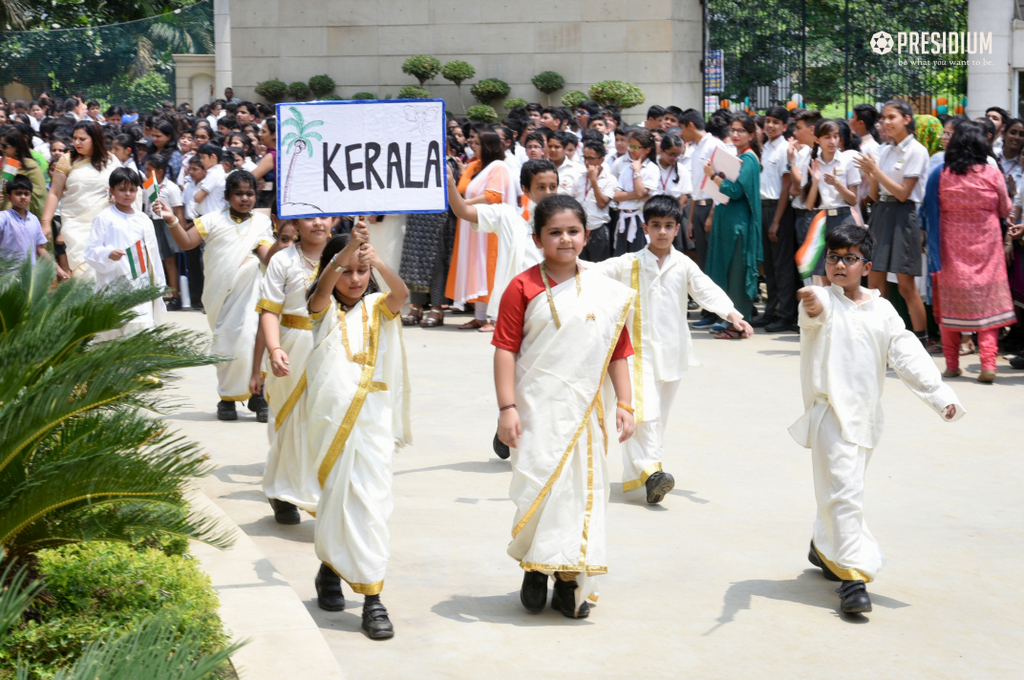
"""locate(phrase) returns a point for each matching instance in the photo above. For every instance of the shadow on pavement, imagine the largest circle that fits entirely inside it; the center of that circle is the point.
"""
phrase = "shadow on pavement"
(266, 526)
(809, 588)
(504, 609)
(492, 466)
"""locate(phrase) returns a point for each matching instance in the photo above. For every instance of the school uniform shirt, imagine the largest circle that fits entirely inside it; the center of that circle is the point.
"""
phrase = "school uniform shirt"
(521, 155)
(773, 168)
(568, 174)
(169, 194)
(701, 154)
(20, 236)
(183, 176)
(188, 200)
(615, 163)
(673, 181)
(869, 147)
(648, 177)
(584, 193)
(514, 169)
(846, 172)
(1011, 168)
(909, 158)
(801, 161)
(213, 185)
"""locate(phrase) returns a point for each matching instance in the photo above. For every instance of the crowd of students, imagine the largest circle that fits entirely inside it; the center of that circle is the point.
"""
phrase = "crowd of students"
(583, 245)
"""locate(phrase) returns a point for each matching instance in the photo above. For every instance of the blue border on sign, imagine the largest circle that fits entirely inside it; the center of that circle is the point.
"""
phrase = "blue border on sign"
(444, 156)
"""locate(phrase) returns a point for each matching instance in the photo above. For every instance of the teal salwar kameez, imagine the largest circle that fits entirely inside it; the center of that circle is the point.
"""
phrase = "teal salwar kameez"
(734, 244)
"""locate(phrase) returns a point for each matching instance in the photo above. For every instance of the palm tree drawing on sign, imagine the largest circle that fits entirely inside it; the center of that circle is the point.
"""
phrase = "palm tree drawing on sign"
(297, 142)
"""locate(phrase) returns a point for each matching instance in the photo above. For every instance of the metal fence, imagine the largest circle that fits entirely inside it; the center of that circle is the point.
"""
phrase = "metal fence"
(822, 51)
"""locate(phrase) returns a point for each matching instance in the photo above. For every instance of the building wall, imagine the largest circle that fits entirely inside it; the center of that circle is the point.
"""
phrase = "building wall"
(992, 84)
(362, 44)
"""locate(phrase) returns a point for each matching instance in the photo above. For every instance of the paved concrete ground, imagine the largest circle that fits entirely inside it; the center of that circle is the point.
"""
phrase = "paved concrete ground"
(714, 583)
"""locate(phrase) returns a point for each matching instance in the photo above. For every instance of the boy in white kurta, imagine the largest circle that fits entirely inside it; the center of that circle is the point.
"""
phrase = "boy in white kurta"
(358, 416)
(239, 243)
(122, 245)
(848, 335)
(559, 335)
(514, 226)
(663, 278)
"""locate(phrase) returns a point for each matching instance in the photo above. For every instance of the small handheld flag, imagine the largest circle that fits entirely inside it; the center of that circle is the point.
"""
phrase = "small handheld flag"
(151, 188)
(10, 170)
(813, 248)
(136, 260)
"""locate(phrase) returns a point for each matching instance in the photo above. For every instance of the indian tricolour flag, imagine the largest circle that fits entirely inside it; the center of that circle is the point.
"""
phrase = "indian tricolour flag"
(11, 167)
(137, 260)
(151, 188)
(813, 248)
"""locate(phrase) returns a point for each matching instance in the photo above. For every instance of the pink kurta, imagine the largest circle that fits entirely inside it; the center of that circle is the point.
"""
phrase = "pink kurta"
(971, 291)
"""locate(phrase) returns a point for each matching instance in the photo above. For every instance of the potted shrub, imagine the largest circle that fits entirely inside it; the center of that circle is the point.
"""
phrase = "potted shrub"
(490, 89)
(482, 113)
(321, 85)
(514, 103)
(572, 98)
(298, 91)
(458, 72)
(617, 93)
(364, 95)
(548, 82)
(413, 92)
(273, 90)
(422, 67)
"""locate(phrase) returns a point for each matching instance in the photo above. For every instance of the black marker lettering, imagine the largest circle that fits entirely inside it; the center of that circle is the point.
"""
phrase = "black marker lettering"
(350, 166)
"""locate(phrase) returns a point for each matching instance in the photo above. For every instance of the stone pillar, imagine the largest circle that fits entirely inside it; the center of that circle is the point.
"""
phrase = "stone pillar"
(222, 45)
(991, 84)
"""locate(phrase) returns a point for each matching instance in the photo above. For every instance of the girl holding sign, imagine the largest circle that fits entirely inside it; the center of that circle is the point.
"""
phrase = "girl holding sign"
(358, 415)
(123, 245)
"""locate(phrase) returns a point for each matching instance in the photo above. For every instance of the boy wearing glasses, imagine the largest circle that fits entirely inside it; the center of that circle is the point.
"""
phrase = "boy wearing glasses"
(848, 335)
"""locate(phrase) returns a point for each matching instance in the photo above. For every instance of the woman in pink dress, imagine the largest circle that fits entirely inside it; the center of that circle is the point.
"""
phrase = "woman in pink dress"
(972, 293)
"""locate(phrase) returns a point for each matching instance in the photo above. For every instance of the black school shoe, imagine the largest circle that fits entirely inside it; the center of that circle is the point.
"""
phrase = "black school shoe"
(563, 599)
(499, 448)
(328, 590)
(375, 620)
(780, 326)
(255, 401)
(285, 512)
(1017, 362)
(854, 595)
(812, 557)
(761, 320)
(173, 304)
(226, 410)
(534, 593)
(658, 485)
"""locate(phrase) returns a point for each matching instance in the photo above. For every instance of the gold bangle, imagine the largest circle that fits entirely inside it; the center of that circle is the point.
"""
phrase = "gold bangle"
(625, 407)
(274, 350)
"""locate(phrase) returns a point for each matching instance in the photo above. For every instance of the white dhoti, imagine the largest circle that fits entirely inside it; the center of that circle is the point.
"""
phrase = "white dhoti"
(559, 474)
(358, 414)
(643, 452)
(841, 536)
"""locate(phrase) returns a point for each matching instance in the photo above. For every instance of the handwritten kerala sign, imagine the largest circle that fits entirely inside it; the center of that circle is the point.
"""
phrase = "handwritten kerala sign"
(361, 158)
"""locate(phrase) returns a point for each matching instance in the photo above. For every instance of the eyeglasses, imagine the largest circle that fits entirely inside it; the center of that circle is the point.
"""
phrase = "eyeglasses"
(634, 147)
(848, 260)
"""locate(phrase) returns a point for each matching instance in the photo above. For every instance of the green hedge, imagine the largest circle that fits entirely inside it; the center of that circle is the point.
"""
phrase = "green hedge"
(95, 590)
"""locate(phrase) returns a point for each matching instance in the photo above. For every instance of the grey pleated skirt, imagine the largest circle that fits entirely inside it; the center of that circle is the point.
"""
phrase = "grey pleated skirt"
(897, 233)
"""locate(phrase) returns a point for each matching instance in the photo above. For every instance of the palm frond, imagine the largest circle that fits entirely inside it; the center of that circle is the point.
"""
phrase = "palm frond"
(311, 124)
(15, 595)
(291, 136)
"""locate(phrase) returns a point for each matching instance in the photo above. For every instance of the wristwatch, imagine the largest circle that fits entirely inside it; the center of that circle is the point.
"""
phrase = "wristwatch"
(635, 175)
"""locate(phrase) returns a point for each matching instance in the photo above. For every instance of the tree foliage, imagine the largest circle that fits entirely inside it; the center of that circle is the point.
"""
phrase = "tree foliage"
(321, 85)
(572, 98)
(457, 71)
(299, 91)
(273, 90)
(69, 46)
(413, 92)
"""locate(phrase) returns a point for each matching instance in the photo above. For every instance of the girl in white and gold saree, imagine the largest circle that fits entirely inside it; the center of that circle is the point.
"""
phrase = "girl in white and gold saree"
(358, 413)
(287, 341)
(237, 241)
(560, 333)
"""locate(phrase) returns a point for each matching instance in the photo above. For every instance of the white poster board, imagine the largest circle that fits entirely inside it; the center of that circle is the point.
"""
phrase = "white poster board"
(361, 158)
